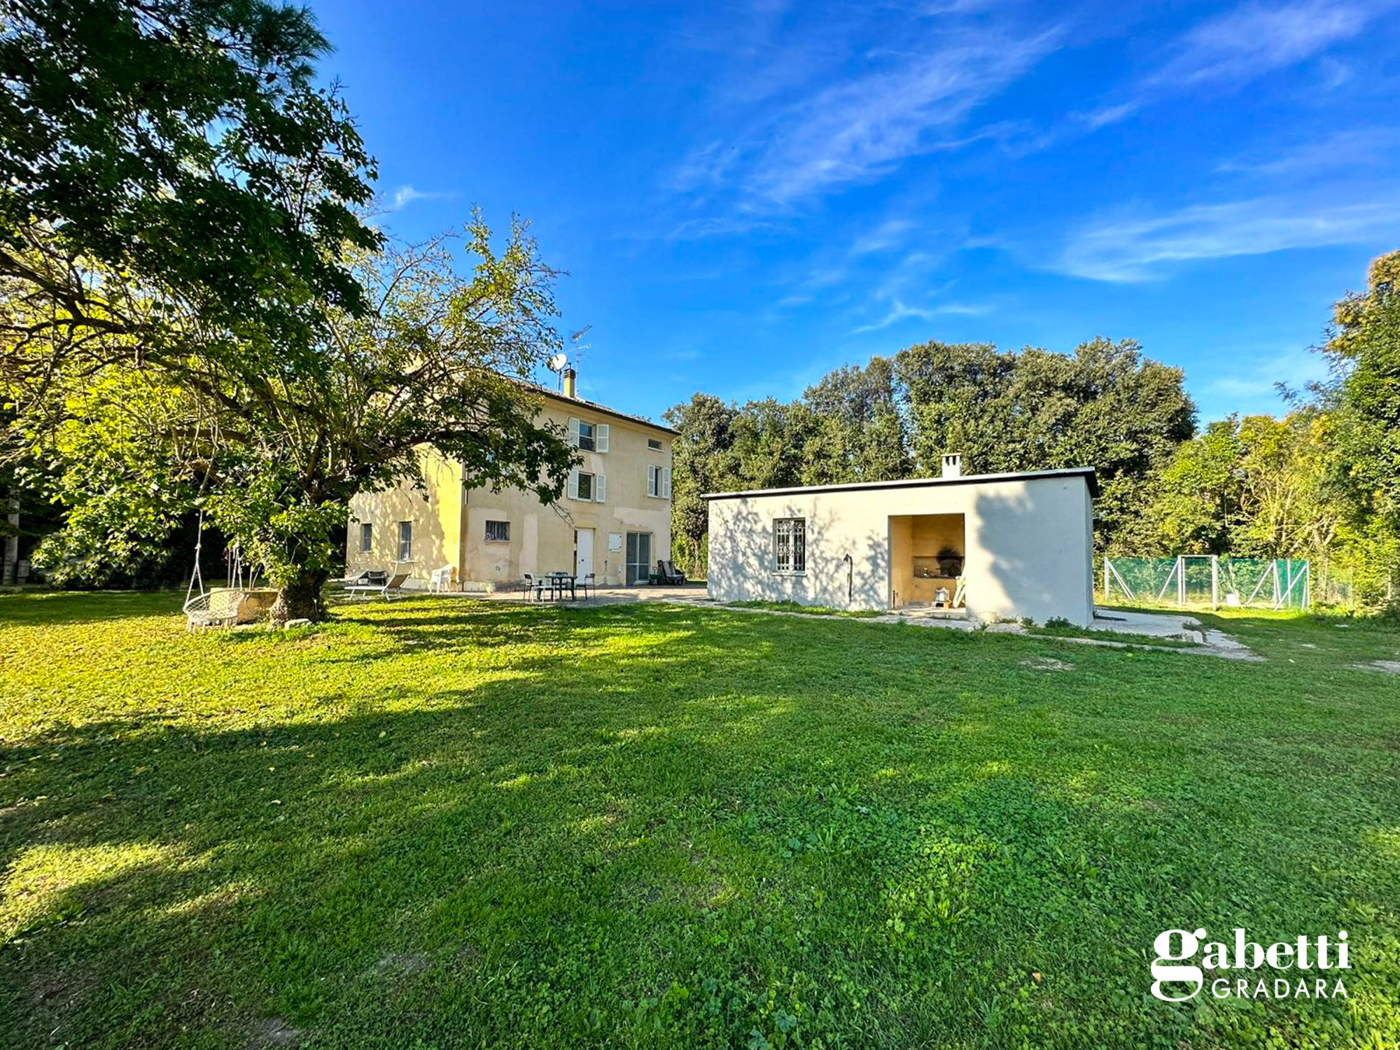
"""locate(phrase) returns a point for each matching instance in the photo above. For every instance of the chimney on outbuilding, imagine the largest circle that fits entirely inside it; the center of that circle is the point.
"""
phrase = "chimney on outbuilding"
(570, 382)
(952, 464)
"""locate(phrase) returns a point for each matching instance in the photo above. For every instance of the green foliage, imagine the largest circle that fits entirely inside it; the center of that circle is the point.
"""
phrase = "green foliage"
(1104, 406)
(171, 141)
(453, 823)
(124, 487)
(1364, 349)
(1257, 487)
(180, 222)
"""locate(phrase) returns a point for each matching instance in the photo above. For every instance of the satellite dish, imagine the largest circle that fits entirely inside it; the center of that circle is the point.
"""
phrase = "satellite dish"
(556, 362)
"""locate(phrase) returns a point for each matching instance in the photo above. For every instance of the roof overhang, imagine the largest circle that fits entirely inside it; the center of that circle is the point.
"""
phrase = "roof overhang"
(602, 410)
(1087, 473)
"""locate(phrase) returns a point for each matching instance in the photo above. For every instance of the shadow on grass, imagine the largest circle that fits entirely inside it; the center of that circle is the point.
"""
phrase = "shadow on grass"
(782, 818)
(51, 608)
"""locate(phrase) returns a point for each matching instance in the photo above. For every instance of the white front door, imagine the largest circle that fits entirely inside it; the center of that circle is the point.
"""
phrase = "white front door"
(583, 552)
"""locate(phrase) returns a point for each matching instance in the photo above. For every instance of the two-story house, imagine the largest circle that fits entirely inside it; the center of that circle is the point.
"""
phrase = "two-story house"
(614, 519)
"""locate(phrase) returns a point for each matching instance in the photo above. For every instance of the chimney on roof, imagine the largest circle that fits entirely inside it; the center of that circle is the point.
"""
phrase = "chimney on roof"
(570, 382)
(952, 464)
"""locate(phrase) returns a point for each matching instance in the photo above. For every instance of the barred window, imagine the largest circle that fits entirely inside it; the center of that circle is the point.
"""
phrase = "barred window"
(790, 544)
(498, 532)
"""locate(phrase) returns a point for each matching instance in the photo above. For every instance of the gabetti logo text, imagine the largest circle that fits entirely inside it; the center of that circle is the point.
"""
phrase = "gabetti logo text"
(1306, 959)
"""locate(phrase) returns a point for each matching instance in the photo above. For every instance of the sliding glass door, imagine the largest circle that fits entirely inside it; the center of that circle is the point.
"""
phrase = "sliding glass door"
(638, 557)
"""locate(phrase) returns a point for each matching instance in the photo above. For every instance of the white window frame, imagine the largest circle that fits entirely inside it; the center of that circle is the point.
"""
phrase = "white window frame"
(405, 541)
(597, 435)
(654, 444)
(598, 486)
(497, 539)
(790, 546)
(658, 482)
(366, 537)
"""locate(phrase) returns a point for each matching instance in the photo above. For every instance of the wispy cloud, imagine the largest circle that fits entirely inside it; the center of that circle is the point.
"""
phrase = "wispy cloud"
(1251, 382)
(700, 228)
(900, 311)
(406, 195)
(1138, 248)
(1106, 115)
(887, 235)
(1242, 44)
(863, 128)
(1351, 148)
(1254, 39)
(815, 104)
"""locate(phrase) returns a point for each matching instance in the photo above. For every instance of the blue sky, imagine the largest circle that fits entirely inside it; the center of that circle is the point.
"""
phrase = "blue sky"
(747, 195)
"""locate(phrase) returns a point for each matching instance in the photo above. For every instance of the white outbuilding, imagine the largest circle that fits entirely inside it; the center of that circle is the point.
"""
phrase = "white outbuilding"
(975, 546)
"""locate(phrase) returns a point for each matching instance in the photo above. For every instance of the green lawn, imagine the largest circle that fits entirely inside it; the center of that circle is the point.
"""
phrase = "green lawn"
(445, 823)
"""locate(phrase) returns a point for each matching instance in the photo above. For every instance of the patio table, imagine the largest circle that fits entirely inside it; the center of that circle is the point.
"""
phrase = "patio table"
(558, 583)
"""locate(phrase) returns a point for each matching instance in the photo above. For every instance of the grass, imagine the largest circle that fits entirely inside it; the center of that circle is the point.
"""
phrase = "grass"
(805, 610)
(448, 823)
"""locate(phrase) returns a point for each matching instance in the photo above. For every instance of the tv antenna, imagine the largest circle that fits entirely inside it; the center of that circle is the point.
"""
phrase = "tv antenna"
(579, 348)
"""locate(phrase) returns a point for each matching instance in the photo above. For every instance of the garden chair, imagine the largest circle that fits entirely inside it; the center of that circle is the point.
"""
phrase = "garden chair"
(441, 580)
(533, 585)
(368, 578)
(590, 584)
(673, 575)
(388, 590)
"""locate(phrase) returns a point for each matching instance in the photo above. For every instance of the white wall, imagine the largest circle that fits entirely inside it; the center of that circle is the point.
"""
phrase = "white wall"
(1029, 545)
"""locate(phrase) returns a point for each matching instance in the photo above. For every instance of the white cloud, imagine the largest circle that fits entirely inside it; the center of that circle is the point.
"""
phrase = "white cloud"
(864, 127)
(406, 195)
(900, 312)
(1248, 42)
(1254, 39)
(1349, 149)
(1137, 248)
(887, 235)
(1106, 115)
(716, 226)
(1251, 383)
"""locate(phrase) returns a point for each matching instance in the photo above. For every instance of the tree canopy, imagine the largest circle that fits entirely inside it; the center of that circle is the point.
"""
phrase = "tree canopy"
(193, 311)
(1104, 405)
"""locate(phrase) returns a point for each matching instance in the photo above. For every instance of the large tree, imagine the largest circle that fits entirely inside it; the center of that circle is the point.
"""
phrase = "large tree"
(274, 455)
(1105, 405)
(1364, 395)
(187, 288)
(184, 145)
(1253, 487)
(703, 462)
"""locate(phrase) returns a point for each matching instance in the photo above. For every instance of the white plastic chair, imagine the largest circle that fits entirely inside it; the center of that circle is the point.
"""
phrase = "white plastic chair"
(441, 580)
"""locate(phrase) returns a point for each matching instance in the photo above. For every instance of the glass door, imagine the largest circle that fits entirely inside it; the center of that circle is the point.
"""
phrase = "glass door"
(638, 557)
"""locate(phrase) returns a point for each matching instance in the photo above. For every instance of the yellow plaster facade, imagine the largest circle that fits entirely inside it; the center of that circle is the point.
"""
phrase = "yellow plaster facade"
(614, 519)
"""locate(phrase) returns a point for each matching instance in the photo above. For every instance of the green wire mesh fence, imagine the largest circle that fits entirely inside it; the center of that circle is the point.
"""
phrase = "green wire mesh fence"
(1207, 579)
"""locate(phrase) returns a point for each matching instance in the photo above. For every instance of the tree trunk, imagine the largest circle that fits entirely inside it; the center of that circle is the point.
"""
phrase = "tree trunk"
(301, 599)
(10, 572)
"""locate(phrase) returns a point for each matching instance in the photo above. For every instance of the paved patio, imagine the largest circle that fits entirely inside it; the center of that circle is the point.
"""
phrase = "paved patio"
(685, 593)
